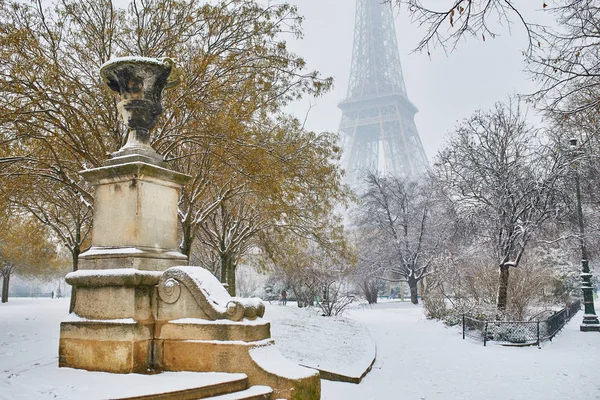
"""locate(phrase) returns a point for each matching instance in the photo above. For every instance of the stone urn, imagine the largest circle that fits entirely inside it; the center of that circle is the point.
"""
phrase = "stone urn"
(140, 82)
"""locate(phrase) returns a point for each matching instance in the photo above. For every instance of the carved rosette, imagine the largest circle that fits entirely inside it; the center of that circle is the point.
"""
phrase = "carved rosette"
(169, 290)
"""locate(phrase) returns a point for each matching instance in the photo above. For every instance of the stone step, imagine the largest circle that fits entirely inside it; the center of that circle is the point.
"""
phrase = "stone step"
(252, 393)
(224, 384)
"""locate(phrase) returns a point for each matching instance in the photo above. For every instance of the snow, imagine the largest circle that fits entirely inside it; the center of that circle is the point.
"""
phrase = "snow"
(251, 391)
(128, 251)
(67, 383)
(119, 60)
(120, 321)
(28, 361)
(200, 321)
(119, 272)
(270, 359)
(334, 344)
(97, 251)
(416, 358)
(260, 343)
(421, 359)
(206, 281)
(249, 302)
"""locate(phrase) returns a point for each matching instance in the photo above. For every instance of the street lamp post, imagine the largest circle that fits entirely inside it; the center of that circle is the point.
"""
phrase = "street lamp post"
(590, 319)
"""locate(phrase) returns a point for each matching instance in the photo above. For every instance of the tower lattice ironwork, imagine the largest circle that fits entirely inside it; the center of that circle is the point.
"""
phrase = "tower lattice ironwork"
(378, 131)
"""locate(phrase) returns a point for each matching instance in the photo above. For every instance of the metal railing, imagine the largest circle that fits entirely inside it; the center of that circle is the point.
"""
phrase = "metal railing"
(518, 332)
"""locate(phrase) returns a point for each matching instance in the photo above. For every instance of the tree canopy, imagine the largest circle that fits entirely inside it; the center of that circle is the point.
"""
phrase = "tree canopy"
(224, 124)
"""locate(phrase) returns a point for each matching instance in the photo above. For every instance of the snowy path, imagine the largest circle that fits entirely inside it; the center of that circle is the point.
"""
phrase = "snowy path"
(422, 360)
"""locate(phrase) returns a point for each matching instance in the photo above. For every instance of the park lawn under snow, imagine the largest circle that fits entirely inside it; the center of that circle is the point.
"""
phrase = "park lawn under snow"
(423, 360)
(416, 358)
(334, 344)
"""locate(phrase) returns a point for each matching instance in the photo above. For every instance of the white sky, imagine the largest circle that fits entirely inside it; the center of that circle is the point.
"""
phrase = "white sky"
(445, 89)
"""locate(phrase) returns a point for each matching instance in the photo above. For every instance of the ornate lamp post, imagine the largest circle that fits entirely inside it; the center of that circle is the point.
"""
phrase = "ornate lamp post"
(590, 319)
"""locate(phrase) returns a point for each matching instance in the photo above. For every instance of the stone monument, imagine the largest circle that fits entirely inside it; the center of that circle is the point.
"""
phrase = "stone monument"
(138, 306)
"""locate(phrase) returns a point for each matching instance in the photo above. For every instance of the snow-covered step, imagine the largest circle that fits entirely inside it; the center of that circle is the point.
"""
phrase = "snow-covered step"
(252, 393)
(182, 386)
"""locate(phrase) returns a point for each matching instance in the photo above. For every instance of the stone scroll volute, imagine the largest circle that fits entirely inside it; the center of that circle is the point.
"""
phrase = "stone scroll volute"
(208, 293)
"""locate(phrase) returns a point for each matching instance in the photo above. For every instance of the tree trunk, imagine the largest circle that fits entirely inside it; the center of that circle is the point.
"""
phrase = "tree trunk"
(412, 284)
(421, 286)
(187, 239)
(231, 278)
(75, 260)
(5, 283)
(503, 287)
(228, 273)
(224, 268)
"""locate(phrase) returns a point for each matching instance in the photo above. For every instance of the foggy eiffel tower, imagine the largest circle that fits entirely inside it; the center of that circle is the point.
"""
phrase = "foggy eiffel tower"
(377, 129)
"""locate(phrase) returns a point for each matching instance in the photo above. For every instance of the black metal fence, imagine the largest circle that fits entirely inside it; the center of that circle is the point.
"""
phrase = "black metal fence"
(518, 332)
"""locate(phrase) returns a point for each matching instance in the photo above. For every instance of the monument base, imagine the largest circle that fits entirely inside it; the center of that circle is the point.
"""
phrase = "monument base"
(128, 320)
(140, 258)
(118, 346)
(261, 361)
(199, 329)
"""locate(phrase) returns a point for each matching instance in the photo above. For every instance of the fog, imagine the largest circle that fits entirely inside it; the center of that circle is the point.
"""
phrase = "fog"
(445, 88)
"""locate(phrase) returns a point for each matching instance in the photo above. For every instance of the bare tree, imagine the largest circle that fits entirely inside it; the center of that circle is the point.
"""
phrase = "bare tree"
(368, 283)
(336, 297)
(447, 22)
(465, 284)
(562, 58)
(502, 180)
(310, 269)
(566, 62)
(396, 230)
(229, 233)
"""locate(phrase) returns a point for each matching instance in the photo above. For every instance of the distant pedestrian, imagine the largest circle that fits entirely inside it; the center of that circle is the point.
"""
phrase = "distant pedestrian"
(283, 297)
(392, 294)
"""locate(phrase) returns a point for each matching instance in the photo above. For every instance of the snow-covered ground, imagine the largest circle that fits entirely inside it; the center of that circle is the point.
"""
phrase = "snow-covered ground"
(423, 360)
(416, 358)
(337, 344)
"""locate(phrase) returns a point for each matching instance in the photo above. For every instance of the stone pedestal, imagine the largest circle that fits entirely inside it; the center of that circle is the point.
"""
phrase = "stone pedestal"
(135, 217)
(134, 239)
(135, 310)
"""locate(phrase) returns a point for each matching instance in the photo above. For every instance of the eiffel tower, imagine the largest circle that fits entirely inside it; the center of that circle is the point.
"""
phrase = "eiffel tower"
(377, 129)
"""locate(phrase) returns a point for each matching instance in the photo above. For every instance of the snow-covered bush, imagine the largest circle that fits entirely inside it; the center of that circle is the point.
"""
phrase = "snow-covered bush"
(368, 287)
(337, 300)
(544, 280)
(528, 291)
(512, 333)
(434, 300)
(565, 281)
(479, 311)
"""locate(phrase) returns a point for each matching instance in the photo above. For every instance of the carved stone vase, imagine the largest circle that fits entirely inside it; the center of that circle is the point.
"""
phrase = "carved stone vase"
(140, 82)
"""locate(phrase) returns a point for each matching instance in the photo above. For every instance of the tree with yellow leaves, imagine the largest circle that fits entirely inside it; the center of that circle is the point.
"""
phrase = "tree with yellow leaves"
(224, 124)
(25, 248)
